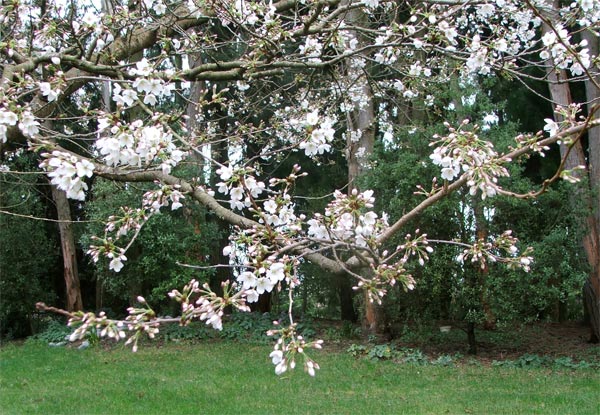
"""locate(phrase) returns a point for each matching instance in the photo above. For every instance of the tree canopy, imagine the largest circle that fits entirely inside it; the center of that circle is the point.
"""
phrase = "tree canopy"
(208, 102)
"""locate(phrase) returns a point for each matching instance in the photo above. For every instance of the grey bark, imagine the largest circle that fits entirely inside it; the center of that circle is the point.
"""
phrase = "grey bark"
(361, 119)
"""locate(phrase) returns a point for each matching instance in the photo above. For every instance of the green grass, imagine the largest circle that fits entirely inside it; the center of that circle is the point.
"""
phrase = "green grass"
(230, 378)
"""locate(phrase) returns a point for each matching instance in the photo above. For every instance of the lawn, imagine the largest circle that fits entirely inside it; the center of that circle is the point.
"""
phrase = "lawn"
(229, 378)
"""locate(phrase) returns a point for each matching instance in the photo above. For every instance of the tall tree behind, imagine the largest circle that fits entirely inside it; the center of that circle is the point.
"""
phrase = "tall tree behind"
(574, 156)
(360, 136)
(592, 289)
(69, 254)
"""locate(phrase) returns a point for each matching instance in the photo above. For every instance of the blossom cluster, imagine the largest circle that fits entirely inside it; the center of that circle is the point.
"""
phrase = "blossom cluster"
(289, 347)
(202, 303)
(106, 247)
(321, 134)
(392, 268)
(306, 128)
(348, 218)
(241, 185)
(137, 145)
(129, 219)
(566, 117)
(68, 172)
(264, 279)
(382, 277)
(261, 268)
(484, 252)
(244, 12)
(556, 44)
(48, 92)
(27, 123)
(464, 150)
(256, 251)
(153, 200)
(7, 118)
(153, 88)
(141, 320)
(84, 322)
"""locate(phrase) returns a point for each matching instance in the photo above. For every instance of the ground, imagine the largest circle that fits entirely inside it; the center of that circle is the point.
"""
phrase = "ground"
(568, 339)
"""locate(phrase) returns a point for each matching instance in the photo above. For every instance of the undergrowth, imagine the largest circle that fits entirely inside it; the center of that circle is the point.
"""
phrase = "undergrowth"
(239, 327)
(417, 357)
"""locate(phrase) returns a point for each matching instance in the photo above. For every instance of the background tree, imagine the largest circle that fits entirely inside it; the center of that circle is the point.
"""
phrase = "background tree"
(573, 151)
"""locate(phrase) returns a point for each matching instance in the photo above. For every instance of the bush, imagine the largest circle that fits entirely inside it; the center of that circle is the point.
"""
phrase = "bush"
(239, 327)
(55, 332)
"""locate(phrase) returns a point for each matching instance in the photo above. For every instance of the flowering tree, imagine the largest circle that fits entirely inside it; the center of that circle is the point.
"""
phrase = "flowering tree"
(259, 81)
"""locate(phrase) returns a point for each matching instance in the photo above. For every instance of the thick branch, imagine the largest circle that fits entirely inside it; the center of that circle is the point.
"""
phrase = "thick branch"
(212, 204)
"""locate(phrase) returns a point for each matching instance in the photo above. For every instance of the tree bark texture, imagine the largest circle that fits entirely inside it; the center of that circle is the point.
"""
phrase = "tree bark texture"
(360, 123)
(592, 89)
(67, 243)
(362, 120)
(561, 95)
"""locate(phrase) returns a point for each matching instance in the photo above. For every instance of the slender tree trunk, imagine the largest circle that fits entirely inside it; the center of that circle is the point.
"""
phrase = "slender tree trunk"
(67, 243)
(360, 122)
(107, 8)
(471, 338)
(346, 294)
(481, 231)
(99, 292)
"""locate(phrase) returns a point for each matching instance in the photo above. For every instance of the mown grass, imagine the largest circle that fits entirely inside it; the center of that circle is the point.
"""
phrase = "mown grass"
(231, 378)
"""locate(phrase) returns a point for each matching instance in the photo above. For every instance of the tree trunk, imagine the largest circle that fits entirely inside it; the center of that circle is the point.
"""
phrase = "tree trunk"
(561, 95)
(592, 299)
(360, 139)
(373, 321)
(346, 294)
(471, 338)
(592, 313)
(361, 120)
(481, 231)
(99, 294)
(67, 243)
(107, 8)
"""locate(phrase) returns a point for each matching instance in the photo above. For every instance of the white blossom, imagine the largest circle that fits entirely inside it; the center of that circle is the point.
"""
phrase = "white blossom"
(28, 125)
(48, 92)
(8, 117)
(116, 264)
(276, 272)
(264, 284)
(551, 126)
